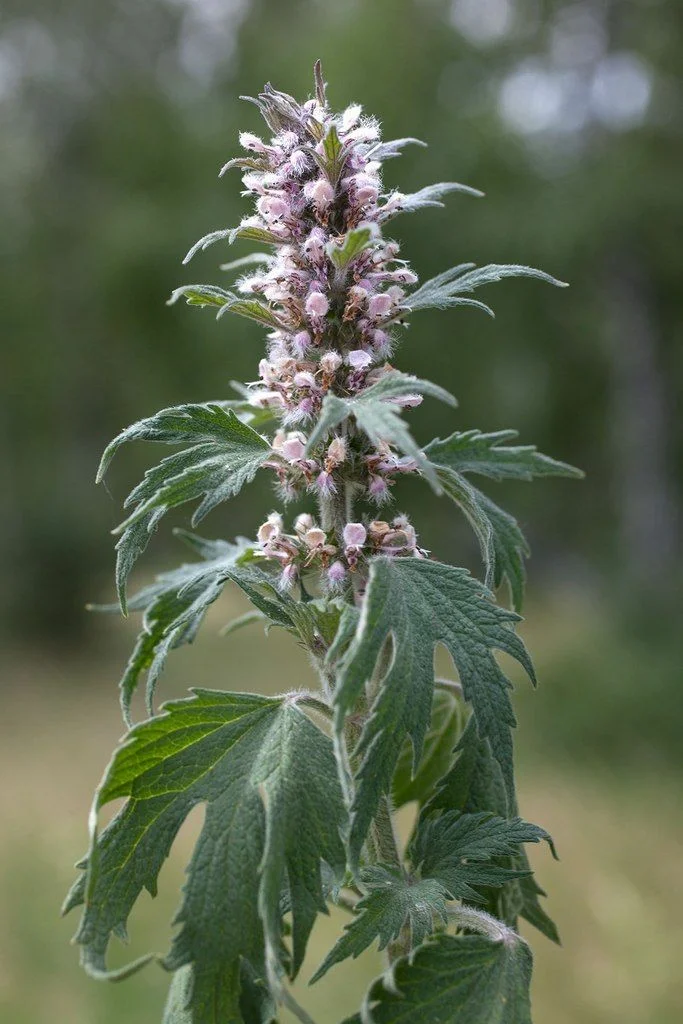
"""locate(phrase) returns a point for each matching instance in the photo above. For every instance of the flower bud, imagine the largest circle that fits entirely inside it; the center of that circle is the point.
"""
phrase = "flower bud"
(288, 577)
(326, 484)
(330, 362)
(317, 305)
(299, 161)
(303, 522)
(301, 342)
(336, 573)
(336, 452)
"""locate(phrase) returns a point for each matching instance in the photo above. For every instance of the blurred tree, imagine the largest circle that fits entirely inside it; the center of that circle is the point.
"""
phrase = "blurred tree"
(113, 116)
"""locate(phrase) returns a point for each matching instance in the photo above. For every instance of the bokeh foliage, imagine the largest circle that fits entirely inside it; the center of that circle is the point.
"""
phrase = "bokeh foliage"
(116, 117)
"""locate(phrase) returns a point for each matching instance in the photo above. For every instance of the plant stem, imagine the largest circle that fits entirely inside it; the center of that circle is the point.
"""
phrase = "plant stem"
(382, 847)
(384, 836)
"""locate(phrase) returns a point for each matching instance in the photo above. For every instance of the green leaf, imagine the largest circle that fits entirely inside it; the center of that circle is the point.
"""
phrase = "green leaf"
(431, 195)
(464, 979)
(446, 289)
(379, 417)
(354, 242)
(510, 548)
(201, 295)
(174, 607)
(333, 157)
(451, 855)
(274, 813)
(455, 847)
(502, 543)
(249, 260)
(252, 233)
(255, 1003)
(382, 151)
(419, 604)
(473, 784)
(346, 630)
(444, 728)
(247, 163)
(226, 302)
(225, 454)
(392, 901)
(240, 621)
(488, 455)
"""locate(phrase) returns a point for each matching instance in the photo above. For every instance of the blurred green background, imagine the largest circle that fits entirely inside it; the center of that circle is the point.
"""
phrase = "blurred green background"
(115, 117)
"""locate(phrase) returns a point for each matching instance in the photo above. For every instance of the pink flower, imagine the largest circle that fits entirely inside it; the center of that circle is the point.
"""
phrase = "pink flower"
(358, 359)
(272, 207)
(271, 529)
(379, 305)
(266, 399)
(287, 141)
(378, 489)
(350, 117)
(381, 342)
(303, 523)
(317, 305)
(314, 246)
(293, 449)
(367, 132)
(314, 538)
(355, 535)
(305, 379)
(403, 276)
(320, 192)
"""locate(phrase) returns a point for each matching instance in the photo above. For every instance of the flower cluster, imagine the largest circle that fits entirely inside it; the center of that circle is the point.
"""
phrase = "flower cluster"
(317, 180)
(311, 548)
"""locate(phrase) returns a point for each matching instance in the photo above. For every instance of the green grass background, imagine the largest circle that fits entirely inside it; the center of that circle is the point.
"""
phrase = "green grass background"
(616, 892)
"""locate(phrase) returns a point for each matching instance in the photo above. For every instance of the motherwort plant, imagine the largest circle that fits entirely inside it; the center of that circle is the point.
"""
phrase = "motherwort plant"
(300, 789)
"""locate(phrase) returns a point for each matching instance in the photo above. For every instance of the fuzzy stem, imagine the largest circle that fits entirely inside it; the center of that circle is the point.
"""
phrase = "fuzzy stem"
(333, 509)
(384, 836)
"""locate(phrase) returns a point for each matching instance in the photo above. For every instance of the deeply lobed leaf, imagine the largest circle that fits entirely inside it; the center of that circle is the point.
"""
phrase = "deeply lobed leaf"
(465, 979)
(447, 288)
(502, 542)
(474, 784)
(225, 454)
(451, 855)
(418, 604)
(379, 417)
(274, 813)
